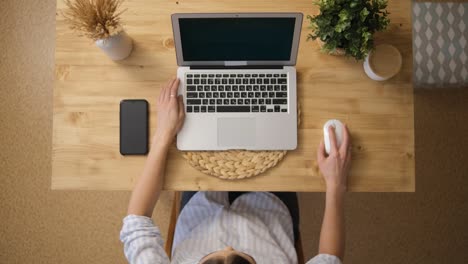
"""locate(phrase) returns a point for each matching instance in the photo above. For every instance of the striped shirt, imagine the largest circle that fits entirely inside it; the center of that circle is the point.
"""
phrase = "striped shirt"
(256, 223)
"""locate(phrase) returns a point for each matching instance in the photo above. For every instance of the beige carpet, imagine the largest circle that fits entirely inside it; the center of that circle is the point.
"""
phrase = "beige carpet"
(43, 226)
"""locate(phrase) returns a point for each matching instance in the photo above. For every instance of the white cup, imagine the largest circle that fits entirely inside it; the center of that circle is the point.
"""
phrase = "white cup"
(383, 62)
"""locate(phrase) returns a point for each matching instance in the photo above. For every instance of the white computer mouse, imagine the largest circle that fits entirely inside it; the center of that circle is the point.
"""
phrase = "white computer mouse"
(338, 133)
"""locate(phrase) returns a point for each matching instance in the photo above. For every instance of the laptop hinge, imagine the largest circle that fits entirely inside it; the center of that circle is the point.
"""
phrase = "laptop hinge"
(235, 67)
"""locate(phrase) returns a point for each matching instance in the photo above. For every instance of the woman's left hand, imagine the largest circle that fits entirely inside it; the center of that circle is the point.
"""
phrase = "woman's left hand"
(170, 113)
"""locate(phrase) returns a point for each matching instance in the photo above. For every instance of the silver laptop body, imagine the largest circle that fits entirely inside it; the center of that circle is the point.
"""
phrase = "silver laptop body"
(238, 80)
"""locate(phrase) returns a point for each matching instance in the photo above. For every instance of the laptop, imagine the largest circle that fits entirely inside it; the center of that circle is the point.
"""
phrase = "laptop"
(238, 80)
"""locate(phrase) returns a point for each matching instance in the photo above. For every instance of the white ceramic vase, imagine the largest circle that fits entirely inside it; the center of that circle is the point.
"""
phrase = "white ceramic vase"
(117, 47)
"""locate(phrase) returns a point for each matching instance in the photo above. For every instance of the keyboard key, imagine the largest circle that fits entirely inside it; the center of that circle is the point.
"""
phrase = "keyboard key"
(270, 110)
(197, 75)
(212, 101)
(245, 81)
(238, 81)
(271, 94)
(210, 81)
(218, 75)
(193, 101)
(226, 101)
(259, 81)
(225, 75)
(257, 94)
(240, 75)
(211, 75)
(233, 101)
(246, 101)
(261, 101)
(191, 88)
(256, 88)
(269, 75)
(261, 75)
(255, 108)
(219, 101)
(247, 75)
(227, 88)
(240, 101)
(249, 87)
(284, 110)
(204, 76)
(203, 109)
(189, 109)
(283, 75)
(268, 101)
(199, 88)
(217, 81)
(230, 95)
(189, 75)
(262, 108)
(250, 94)
(201, 95)
(211, 109)
(254, 75)
(205, 101)
(252, 81)
(242, 88)
(281, 94)
(270, 87)
(224, 81)
(196, 81)
(232, 75)
(280, 101)
(236, 108)
(192, 95)
(215, 95)
(264, 94)
(231, 81)
(196, 109)
(262, 88)
(222, 95)
(235, 88)
(284, 87)
(189, 81)
(266, 81)
(243, 95)
(236, 95)
(282, 81)
(277, 87)
(275, 75)
(208, 95)
(277, 108)
(214, 88)
(220, 88)
(206, 88)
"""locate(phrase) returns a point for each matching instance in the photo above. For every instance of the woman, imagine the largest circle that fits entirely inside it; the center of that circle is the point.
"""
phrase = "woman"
(222, 227)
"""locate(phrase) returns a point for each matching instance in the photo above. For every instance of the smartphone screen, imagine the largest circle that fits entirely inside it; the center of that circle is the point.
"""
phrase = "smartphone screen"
(133, 127)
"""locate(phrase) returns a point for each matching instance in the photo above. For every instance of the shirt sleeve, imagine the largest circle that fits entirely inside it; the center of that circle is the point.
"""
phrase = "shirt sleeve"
(324, 259)
(142, 241)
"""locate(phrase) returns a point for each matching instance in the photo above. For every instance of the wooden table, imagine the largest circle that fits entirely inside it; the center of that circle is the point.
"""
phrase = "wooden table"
(89, 87)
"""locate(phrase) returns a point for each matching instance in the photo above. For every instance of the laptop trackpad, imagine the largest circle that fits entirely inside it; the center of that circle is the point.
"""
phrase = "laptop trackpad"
(236, 132)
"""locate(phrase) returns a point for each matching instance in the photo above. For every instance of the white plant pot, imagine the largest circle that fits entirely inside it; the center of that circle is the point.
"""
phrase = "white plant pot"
(117, 47)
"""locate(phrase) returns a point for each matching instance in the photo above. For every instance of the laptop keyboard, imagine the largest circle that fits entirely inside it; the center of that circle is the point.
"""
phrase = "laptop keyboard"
(221, 92)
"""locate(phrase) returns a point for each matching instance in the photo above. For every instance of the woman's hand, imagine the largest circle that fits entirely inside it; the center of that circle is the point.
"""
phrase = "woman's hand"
(335, 167)
(170, 113)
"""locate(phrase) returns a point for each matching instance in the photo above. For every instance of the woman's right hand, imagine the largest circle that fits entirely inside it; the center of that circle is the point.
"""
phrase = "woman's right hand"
(335, 166)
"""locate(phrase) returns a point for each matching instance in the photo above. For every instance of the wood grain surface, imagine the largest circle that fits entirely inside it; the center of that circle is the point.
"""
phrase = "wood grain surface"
(89, 88)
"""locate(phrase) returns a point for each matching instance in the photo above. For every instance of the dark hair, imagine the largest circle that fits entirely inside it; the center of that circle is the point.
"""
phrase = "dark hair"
(231, 259)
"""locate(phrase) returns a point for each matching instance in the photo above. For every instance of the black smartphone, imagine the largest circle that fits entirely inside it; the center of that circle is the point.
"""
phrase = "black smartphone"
(133, 127)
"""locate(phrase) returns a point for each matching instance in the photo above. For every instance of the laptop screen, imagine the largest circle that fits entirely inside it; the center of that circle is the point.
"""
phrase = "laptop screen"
(237, 39)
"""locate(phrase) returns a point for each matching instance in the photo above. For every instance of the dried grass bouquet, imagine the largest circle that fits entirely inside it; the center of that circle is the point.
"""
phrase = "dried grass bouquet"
(95, 19)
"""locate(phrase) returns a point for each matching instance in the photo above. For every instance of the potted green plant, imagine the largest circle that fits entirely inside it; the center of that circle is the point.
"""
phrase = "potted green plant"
(347, 27)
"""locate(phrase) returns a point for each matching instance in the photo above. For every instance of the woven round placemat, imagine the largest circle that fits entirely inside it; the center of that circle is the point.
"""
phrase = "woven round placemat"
(236, 164)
